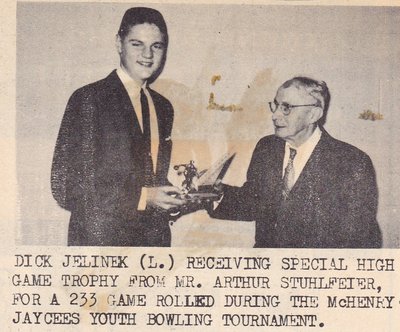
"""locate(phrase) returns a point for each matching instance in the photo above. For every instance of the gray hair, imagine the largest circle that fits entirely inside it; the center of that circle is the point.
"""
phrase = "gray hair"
(318, 89)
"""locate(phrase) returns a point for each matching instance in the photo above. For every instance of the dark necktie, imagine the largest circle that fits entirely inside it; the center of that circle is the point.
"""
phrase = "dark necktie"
(149, 175)
(288, 178)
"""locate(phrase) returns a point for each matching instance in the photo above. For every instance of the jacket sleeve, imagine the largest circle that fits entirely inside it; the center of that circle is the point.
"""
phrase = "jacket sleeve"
(243, 203)
(62, 185)
(99, 208)
(361, 228)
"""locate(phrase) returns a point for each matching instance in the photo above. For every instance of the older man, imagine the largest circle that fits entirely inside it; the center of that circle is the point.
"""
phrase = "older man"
(304, 188)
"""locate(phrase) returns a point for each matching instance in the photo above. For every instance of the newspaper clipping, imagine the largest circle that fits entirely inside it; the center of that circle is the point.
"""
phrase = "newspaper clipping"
(216, 166)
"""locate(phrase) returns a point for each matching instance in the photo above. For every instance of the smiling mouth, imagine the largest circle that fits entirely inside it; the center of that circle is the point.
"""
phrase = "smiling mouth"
(145, 63)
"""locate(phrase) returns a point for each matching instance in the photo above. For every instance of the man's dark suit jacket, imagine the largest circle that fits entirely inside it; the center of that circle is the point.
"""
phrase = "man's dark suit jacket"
(333, 204)
(99, 168)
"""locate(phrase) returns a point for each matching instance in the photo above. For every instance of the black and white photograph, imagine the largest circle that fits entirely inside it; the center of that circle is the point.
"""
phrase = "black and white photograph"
(207, 125)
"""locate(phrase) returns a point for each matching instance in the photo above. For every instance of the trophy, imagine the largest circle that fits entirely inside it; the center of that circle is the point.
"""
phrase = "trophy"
(201, 186)
(200, 189)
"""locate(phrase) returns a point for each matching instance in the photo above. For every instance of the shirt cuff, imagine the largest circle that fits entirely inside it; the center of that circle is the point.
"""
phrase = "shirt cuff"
(216, 203)
(143, 200)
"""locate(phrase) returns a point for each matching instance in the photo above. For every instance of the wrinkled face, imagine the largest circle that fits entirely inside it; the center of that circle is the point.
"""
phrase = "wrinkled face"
(298, 126)
(141, 51)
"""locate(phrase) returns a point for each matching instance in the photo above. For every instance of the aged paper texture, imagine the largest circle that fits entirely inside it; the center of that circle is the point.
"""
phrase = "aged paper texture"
(225, 62)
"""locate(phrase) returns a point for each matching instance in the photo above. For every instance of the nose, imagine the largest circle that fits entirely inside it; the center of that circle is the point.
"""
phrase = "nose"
(147, 52)
(277, 115)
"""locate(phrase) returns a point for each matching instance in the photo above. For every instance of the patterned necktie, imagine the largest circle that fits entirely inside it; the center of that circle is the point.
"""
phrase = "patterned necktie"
(288, 178)
(149, 175)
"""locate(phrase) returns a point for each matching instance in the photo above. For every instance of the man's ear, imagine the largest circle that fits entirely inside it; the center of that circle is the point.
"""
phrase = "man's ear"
(316, 114)
(118, 43)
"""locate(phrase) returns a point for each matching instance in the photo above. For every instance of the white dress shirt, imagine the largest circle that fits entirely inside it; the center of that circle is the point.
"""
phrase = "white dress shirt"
(133, 90)
(304, 152)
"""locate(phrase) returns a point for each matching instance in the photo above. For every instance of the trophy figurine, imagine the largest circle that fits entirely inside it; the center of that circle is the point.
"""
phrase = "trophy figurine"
(191, 175)
(200, 186)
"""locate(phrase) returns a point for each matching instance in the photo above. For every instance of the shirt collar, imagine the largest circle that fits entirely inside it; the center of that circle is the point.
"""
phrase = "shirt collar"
(129, 83)
(310, 144)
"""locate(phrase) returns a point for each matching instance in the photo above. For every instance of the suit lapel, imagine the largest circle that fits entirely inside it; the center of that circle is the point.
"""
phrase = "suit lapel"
(120, 103)
(161, 115)
(278, 162)
(314, 166)
(122, 122)
(164, 117)
(275, 158)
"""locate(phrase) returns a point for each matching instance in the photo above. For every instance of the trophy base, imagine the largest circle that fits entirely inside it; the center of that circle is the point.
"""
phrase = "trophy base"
(202, 197)
(194, 202)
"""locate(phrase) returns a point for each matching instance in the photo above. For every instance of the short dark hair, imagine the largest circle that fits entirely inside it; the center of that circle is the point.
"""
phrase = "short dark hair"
(318, 89)
(141, 15)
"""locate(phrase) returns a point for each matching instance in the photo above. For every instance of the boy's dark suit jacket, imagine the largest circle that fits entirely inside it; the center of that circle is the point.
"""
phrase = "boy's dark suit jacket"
(333, 204)
(98, 167)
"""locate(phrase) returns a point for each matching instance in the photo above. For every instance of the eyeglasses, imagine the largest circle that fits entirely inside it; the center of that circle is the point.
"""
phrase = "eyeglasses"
(287, 108)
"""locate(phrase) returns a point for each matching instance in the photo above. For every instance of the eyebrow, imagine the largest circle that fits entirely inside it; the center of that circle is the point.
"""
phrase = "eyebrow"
(139, 41)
